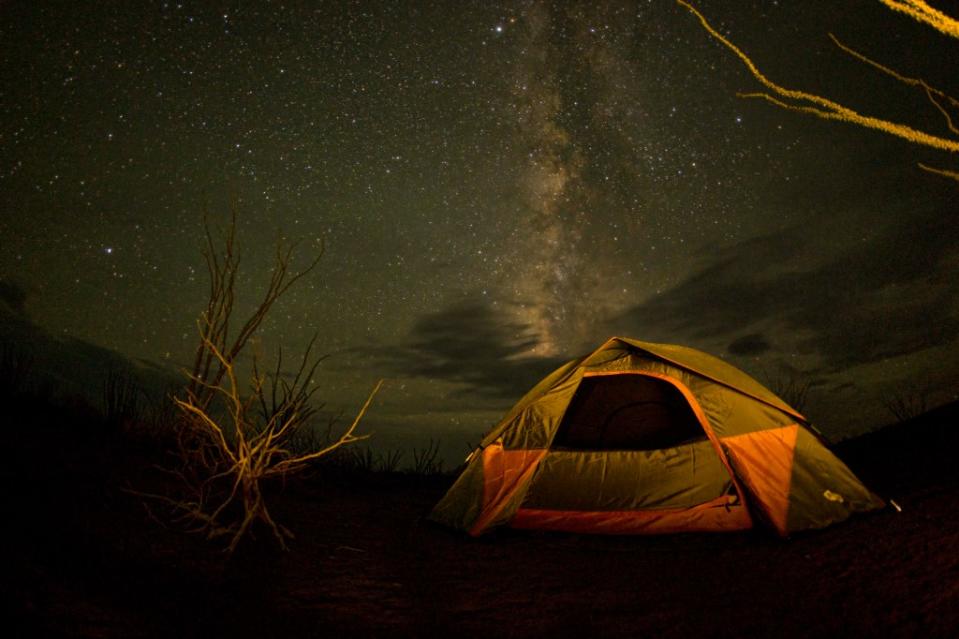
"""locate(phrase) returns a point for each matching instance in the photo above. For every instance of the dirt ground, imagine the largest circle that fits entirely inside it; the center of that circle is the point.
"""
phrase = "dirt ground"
(85, 560)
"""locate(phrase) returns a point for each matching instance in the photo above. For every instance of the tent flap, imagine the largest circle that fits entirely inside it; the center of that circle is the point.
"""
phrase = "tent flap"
(506, 475)
(460, 507)
(763, 460)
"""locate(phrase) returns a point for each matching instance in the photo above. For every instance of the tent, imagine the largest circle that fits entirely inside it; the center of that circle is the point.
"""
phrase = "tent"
(639, 438)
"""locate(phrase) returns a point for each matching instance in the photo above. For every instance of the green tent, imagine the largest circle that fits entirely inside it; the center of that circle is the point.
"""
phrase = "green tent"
(640, 438)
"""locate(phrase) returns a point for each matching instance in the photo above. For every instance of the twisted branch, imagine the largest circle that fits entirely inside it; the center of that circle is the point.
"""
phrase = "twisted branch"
(921, 11)
(802, 101)
(224, 460)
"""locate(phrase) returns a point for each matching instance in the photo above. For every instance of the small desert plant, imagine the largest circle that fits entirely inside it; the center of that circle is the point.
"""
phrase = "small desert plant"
(365, 460)
(907, 401)
(16, 369)
(789, 384)
(121, 399)
(246, 448)
(426, 460)
(362, 459)
(389, 461)
(233, 436)
(153, 427)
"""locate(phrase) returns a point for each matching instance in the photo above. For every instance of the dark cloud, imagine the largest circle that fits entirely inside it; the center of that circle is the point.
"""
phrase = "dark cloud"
(474, 344)
(886, 293)
(747, 345)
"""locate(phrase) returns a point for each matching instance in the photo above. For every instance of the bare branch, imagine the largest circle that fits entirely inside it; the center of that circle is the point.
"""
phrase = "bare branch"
(921, 11)
(820, 106)
(952, 175)
(346, 438)
(932, 93)
(225, 458)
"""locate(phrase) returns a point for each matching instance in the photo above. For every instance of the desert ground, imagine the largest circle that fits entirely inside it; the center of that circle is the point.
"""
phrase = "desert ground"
(86, 559)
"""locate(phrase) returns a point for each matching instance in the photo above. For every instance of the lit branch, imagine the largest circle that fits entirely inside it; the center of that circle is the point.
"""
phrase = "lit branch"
(292, 463)
(818, 105)
(932, 93)
(953, 175)
(226, 454)
(921, 11)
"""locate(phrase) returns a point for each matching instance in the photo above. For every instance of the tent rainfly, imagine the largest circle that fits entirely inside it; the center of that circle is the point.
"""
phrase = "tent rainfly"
(640, 438)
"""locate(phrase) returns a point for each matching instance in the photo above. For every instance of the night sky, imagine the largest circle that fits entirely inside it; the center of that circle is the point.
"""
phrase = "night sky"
(499, 186)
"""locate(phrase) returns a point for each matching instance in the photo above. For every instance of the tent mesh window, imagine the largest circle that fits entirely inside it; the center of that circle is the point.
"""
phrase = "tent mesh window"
(627, 412)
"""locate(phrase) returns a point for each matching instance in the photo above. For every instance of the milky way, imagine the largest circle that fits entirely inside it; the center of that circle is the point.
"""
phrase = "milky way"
(568, 82)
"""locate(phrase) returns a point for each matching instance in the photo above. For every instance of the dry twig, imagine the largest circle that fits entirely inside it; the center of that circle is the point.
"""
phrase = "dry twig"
(224, 459)
(819, 106)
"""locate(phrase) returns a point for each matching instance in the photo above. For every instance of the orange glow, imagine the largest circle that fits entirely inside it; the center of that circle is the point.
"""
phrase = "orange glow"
(721, 514)
(504, 471)
(764, 460)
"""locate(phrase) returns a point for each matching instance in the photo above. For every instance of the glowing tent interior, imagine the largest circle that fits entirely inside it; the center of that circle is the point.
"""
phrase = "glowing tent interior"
(639, 438)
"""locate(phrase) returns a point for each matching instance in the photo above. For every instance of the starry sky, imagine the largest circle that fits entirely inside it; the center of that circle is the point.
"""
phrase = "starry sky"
(499, 187)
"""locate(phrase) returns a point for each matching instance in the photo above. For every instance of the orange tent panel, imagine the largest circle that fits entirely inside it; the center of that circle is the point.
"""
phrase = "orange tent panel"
(764, 461)
(722, 514)
(504, 471)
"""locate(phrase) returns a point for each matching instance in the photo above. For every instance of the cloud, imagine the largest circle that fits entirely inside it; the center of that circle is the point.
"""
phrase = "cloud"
(475, 344)
(747, 345)
(889, 292)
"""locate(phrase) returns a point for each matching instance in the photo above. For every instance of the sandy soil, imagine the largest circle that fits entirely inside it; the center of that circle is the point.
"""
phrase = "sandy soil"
(85, 560)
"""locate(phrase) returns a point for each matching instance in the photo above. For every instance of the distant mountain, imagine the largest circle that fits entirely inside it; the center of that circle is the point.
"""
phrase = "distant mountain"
(67, 366)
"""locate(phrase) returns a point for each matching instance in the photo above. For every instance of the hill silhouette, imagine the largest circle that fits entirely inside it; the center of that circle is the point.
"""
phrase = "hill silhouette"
(68, 366)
